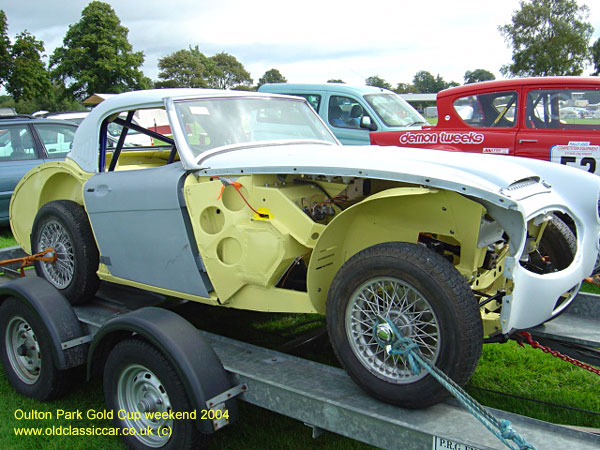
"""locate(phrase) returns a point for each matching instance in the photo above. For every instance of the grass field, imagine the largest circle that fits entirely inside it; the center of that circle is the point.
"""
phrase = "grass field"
(506, 368)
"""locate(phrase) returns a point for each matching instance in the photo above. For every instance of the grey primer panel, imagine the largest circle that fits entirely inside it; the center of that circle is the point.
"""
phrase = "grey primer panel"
(142, 228)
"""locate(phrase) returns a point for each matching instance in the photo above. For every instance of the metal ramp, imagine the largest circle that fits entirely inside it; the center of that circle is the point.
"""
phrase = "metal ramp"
(327, 399)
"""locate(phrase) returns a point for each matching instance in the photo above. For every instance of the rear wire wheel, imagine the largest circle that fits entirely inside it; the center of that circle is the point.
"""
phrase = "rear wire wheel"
(426, 299)
(64, 226)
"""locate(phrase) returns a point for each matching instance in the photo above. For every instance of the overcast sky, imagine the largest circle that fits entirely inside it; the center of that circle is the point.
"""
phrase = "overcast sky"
(306, 40)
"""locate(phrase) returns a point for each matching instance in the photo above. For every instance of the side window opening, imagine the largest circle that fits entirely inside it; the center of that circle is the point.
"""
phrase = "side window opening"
(16, 143)
(563, 109)
(344, 112)
(57, 139)
(488, 110)
(314, 100)
(148, 148)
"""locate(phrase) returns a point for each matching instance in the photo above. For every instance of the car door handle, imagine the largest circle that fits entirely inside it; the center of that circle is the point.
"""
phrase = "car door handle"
(527, 141)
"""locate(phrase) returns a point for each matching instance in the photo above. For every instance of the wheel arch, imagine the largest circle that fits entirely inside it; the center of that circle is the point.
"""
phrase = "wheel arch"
(57, 180)
(55, 312)
(393, 215)
(192, 358)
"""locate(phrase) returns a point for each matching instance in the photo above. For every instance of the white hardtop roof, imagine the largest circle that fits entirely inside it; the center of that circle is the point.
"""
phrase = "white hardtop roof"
(85, 144)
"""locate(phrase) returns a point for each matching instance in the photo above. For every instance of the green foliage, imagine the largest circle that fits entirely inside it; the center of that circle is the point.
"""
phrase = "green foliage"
(5, 59)
(478, 75)
(271, 76)
(425, 82)
(376, 81)
(405, 88)
(548, 37)
(336, 80)
(96, 55)
(226, 71)
(184, 68)
(28, 77)
(595, 50)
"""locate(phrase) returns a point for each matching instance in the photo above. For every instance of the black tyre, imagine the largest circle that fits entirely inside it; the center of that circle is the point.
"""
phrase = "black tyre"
(558, 244)
(556, 251)
(137, 380)
(26, 353)
(64, 226)
(427, 300)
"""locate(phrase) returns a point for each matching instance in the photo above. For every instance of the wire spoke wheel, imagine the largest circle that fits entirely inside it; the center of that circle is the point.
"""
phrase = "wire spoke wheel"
(408, 310)
(60, 273)
(400, 289)
(64, 226)
(23, 350)
(141, 397)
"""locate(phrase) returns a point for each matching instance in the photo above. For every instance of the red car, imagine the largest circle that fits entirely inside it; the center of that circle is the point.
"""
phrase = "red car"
(548, 118)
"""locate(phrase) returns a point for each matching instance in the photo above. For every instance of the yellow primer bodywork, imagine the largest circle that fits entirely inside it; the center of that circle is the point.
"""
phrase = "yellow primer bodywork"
(397, 214)
(245, 255)
(58, 180)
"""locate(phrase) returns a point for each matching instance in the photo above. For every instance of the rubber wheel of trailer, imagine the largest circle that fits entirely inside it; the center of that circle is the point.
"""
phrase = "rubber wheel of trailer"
(64, 226)
(426, 299)
(139, 382)
(26, 353)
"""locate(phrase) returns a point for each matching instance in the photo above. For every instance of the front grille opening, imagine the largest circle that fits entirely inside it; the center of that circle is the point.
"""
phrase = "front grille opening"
(556, 248)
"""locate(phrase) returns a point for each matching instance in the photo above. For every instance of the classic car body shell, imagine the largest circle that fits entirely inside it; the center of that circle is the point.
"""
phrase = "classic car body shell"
(236, 258)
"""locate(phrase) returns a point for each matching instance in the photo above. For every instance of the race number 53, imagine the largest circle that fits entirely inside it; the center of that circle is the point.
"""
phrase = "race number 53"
(586, 163)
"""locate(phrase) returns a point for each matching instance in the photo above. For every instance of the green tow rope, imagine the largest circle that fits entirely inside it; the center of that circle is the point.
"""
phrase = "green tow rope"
(407, 349)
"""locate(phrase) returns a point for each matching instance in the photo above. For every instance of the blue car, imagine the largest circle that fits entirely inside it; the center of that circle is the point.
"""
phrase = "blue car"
(352, 112)
(26, 142)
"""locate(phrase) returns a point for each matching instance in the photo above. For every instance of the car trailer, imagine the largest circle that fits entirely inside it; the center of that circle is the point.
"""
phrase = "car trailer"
(322, 397)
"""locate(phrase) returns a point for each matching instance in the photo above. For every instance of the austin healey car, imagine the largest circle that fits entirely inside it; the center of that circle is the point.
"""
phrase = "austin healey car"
(250, 202)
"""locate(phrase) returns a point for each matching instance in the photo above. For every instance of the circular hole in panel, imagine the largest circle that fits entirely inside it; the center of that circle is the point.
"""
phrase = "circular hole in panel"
(314, 236)
(232, 200)
(229, 251)
(211, 220)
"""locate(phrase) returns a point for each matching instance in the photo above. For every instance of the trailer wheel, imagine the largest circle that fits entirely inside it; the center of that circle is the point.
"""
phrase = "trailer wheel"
(64, 226)
(426, 299)
(139, 382)
(26, 353)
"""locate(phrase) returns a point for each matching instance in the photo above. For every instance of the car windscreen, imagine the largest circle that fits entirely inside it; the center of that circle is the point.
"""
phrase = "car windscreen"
(394, 111)
(215, 122)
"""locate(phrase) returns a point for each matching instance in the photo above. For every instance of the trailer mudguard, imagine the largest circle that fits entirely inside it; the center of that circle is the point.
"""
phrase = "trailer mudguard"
(195, 362)
(57, 314)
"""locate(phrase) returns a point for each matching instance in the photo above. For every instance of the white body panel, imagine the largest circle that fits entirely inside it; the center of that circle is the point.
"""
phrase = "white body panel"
(514, 190)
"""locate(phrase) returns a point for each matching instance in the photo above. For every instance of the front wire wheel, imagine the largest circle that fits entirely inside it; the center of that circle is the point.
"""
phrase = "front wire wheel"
(426, 299)
(411, 313)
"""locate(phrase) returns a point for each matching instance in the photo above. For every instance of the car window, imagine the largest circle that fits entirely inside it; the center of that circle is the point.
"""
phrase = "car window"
(16, 143)
(57, 138)
(394, 110)
(344, 112)
(313, 99)
(488, 110)
(211, 123)
(563, 109)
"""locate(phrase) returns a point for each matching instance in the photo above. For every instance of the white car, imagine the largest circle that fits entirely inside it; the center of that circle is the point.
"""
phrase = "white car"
(255, 205)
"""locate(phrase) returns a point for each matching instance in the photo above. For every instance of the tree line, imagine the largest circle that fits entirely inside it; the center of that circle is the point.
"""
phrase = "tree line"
(547, 37)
